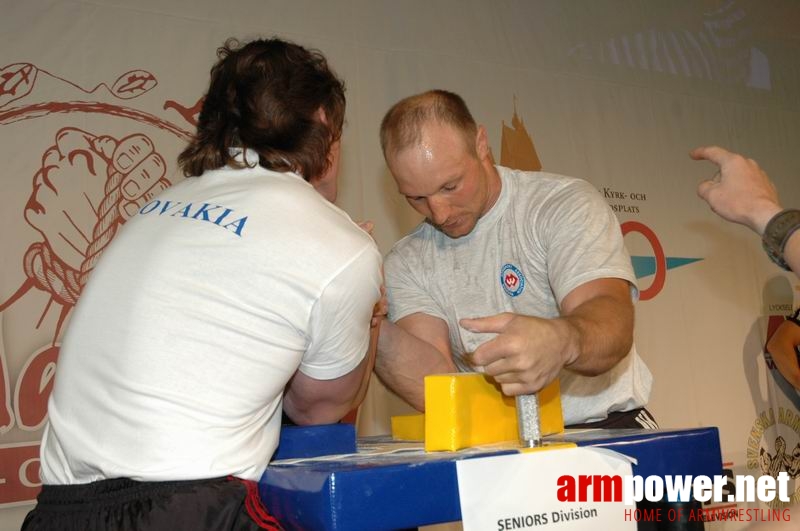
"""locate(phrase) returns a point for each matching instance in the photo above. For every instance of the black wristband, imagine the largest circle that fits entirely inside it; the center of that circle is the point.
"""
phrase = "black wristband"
(777, 232)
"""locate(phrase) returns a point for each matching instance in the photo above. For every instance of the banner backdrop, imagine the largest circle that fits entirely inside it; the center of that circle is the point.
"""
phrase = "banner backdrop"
(98, 97)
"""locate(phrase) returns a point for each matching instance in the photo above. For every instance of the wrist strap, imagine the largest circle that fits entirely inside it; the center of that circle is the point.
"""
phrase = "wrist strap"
(777, 232)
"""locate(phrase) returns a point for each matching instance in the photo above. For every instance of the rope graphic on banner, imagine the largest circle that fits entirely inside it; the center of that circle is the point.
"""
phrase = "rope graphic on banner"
(107, 222)
(49, 273)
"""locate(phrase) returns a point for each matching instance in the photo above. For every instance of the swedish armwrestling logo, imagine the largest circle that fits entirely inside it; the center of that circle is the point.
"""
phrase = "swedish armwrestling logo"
(774, 447)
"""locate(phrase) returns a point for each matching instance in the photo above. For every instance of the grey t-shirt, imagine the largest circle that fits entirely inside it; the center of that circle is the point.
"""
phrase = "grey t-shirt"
(546, 235)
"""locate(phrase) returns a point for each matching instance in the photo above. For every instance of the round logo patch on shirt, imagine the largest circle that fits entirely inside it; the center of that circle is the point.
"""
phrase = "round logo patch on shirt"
(512, 280)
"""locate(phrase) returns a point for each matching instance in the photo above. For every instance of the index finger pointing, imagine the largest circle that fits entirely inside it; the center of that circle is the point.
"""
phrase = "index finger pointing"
(713, 154)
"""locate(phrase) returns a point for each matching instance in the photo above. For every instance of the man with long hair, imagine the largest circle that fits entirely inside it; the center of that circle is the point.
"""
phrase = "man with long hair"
(239, 293)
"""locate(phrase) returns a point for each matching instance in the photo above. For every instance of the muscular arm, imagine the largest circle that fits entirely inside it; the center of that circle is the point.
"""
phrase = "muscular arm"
(594, 332)
(308, 400)
(782, 346)
(338, 330)
(599, 315)
(415, 346)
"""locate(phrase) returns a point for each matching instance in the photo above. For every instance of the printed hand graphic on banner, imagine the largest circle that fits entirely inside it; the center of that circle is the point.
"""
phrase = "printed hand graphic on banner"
(86, 187)
(110, 180)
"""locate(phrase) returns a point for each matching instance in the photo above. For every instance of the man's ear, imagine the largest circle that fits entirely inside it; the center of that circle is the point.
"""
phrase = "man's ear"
(482, 143)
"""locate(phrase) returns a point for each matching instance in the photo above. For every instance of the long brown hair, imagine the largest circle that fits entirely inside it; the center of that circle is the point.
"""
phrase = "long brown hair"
(266, 95)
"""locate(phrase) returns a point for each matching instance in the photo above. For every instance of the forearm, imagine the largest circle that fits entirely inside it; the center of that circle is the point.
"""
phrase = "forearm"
(404, 360)
(598, 333)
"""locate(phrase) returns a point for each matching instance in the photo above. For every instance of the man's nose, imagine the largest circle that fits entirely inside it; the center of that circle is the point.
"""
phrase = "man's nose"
(439, 209)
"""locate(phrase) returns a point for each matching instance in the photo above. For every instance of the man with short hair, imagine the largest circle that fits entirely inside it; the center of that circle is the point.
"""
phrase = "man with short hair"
(521, 275)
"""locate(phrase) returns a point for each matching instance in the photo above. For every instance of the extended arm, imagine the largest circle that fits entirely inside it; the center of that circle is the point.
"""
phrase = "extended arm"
(415, 346)
(594, 332)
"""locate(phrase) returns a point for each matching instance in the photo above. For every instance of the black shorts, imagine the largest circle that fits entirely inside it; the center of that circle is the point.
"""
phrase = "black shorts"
(127, 505)
(638, 418)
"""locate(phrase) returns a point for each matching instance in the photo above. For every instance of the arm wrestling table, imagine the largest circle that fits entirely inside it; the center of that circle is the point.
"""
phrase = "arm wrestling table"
(388, 484)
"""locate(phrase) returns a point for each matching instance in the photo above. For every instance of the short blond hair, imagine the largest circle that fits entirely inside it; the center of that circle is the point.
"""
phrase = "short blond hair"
(401, 127)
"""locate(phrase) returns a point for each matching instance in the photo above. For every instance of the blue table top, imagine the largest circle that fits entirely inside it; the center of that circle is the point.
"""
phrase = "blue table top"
(396, 485)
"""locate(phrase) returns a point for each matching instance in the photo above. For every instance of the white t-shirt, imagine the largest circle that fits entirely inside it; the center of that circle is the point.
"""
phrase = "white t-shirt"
(198, 313)
(546, 235)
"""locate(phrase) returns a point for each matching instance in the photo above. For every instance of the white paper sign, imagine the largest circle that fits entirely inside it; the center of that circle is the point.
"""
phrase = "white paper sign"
(521, 491)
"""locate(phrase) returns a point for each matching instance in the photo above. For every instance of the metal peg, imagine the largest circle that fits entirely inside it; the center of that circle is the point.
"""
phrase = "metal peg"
(529, 421)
